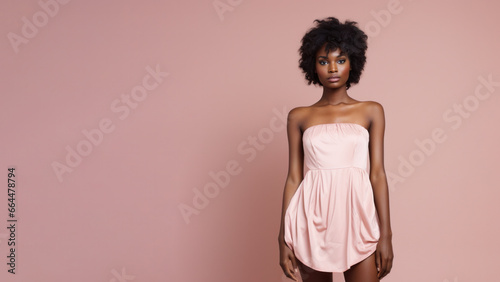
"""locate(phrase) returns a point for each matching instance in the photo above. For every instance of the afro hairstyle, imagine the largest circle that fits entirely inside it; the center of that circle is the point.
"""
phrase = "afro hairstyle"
(347, 36)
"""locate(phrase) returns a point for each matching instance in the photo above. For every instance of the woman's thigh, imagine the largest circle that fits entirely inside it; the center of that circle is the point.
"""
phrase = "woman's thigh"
(310, 275)
(364, 271)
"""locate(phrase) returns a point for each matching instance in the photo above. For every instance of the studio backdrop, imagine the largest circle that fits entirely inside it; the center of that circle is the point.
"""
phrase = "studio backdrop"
(146, 140)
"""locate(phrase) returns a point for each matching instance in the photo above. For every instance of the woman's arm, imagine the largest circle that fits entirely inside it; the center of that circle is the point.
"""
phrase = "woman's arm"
(294, 177)
(384, 254)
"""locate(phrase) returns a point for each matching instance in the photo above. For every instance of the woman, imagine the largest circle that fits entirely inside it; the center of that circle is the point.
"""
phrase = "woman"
(335, 217)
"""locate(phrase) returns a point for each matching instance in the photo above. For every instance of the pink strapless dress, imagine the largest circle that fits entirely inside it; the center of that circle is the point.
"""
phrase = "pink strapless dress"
(331, 222)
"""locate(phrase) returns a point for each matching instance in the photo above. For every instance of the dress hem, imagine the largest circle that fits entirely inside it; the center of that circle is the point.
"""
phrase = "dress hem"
(308, 264)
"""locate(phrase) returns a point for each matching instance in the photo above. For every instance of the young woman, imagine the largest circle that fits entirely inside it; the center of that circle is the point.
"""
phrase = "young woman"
(335, 216)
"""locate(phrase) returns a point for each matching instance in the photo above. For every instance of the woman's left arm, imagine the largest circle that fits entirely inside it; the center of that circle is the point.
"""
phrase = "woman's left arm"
(384, 253)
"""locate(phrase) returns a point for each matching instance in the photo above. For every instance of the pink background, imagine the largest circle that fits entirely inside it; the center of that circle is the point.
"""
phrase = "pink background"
(231, 78)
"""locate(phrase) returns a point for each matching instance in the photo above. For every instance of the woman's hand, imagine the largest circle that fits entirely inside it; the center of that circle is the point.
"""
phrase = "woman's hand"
(287, 259)
(384, 256)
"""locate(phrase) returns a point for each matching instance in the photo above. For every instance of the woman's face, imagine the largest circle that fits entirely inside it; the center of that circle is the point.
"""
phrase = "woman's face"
(332, 68)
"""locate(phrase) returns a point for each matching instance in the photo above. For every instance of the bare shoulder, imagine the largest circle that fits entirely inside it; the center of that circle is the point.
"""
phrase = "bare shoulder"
(373, 110)
(374, 113)
(298, 114)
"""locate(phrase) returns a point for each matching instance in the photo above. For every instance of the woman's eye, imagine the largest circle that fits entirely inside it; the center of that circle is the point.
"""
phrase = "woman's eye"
(341, 61)
(322, 62)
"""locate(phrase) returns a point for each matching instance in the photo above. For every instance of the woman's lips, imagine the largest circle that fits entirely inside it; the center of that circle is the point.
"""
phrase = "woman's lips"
(333, 79)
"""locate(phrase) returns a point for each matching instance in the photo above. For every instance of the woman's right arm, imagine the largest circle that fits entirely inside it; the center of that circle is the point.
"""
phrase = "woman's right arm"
(294, 177)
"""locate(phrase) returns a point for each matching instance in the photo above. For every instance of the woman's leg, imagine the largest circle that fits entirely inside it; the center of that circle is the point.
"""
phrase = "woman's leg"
(310, 275)
(364, 271)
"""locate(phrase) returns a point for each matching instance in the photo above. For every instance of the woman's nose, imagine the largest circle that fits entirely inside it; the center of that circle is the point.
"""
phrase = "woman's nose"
(332, 68)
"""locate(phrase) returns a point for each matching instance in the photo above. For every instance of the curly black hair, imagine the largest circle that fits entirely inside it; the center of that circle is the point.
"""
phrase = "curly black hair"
(346, 36)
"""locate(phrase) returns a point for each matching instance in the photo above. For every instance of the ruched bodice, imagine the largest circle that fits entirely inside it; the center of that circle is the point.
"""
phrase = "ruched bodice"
(331, 222)
(335, 145)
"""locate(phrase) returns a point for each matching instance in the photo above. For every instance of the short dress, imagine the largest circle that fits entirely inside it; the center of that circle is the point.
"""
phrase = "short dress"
(331, 222)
